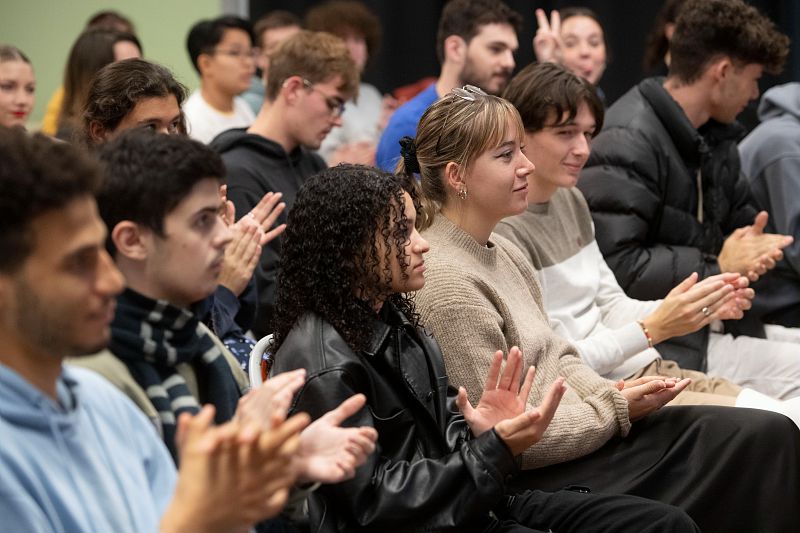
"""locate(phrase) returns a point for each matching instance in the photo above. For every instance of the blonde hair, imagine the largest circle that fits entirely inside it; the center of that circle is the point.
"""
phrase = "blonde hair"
(457, 128)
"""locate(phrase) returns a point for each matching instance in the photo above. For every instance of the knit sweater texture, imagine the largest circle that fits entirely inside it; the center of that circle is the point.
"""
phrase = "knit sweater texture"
(479, 299)
(580, 294)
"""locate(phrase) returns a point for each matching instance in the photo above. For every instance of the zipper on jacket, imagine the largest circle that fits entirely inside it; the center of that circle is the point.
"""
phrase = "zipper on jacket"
(699, 181)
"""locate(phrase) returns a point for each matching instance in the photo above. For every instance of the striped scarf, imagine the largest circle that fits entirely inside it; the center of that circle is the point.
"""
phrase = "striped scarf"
(151, 337)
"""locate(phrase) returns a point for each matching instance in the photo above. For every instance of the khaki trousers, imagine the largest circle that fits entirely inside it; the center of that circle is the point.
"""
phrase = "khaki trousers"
(704, 389)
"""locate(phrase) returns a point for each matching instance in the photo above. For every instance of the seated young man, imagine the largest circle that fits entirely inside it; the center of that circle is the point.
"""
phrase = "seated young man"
(76, 454)
(475, 43)
(162, 205)
(311, 76)
(139, 94)
(221, 51)
(615, 334)
(664, 181)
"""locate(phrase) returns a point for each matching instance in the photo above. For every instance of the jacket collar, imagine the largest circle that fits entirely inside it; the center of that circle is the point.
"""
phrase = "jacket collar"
(382, 324)
(686, 138)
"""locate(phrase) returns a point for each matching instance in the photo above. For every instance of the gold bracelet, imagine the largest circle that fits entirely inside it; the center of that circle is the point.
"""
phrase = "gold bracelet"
(646, 333)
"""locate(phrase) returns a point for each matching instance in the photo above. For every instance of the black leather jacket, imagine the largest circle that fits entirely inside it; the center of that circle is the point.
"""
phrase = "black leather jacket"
(427, 473)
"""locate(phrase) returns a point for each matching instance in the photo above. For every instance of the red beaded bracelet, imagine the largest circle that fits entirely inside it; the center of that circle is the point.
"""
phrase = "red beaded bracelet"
(646, 333)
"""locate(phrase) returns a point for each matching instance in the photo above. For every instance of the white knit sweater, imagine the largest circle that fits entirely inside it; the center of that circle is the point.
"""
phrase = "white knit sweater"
(580, 293)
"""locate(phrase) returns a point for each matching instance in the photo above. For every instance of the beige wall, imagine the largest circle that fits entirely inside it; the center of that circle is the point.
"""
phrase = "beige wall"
(45, 29)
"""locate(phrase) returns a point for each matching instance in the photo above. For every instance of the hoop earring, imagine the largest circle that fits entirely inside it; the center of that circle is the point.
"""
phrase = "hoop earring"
(462, 193)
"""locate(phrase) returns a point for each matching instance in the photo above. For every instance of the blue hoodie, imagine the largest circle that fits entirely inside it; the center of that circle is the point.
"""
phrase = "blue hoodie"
(89, 463)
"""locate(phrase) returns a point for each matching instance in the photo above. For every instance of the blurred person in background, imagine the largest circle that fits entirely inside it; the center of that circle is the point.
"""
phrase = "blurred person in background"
(101, 19)
(17, 86)
(574, 38)
(94, 49)
(222, 53)
(363, 120)
(270, 31)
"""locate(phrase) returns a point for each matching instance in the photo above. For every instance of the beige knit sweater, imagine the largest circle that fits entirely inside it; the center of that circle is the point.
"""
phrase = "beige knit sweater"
(480, 299)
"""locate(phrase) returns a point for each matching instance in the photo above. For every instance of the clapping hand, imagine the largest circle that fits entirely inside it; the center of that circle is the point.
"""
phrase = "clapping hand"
(503, 402)
(329, 453)
(650, 393)
(231, 476)
(751, 252)
(268, 405)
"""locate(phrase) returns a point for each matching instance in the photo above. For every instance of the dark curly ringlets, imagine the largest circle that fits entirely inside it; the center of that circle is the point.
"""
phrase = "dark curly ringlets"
(344, 221)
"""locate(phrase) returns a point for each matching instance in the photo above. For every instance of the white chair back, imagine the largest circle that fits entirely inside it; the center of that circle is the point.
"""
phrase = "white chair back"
(254, 366)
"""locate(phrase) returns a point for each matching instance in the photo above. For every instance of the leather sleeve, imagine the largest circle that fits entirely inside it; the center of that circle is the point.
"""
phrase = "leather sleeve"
(452, 491)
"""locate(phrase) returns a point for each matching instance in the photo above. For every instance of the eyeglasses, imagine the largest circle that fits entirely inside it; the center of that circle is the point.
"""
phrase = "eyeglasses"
(470, 93)
(335, 105)
(238, 54)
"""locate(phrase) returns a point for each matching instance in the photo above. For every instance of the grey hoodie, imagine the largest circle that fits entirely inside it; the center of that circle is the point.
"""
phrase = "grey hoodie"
(771, 161)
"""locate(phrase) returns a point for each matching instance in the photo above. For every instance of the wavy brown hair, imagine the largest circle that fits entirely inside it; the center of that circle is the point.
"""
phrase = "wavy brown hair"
(118, 87)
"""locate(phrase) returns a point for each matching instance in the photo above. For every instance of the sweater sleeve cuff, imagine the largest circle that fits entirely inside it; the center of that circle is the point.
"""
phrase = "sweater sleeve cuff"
(621, 409)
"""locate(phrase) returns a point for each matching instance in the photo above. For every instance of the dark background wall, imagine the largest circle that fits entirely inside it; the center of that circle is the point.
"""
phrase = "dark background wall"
(409, 34)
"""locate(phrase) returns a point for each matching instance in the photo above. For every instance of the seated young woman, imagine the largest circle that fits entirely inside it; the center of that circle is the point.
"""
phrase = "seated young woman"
(350, 253)
(482, 294)
(615, 334)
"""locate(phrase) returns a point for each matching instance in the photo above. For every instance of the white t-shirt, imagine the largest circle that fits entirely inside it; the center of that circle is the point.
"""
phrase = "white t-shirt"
(204, 122)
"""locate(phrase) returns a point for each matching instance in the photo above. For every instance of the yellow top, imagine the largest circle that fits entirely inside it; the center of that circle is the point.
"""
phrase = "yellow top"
(50, 120)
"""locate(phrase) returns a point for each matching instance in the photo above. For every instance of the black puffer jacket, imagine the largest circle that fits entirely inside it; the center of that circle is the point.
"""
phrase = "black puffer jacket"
(649, 171)
(427, 472)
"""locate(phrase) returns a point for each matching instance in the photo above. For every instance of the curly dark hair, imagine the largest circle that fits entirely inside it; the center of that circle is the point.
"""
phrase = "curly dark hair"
(343, 17)
(346, 222)
(37, 174)
(706, 29)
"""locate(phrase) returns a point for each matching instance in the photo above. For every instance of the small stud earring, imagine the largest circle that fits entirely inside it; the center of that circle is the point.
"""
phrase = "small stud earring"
(462, 193)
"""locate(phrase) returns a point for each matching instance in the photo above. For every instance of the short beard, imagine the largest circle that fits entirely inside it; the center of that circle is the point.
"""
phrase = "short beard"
(46, 328)
(470, 77)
